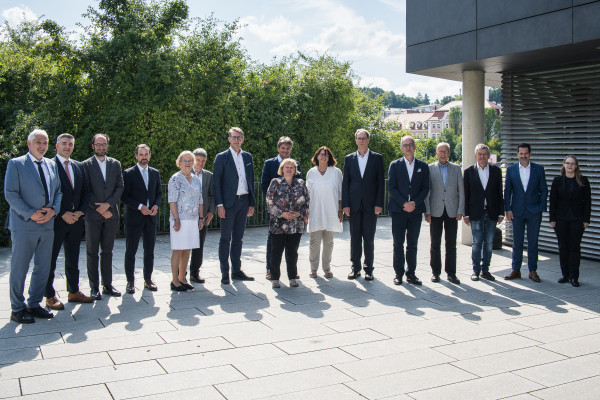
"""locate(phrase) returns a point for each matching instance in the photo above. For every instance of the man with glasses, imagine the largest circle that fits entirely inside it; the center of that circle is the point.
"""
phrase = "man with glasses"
(408, 186)
(444, 207)
(102, 216)
(363, 185)
(233, 173)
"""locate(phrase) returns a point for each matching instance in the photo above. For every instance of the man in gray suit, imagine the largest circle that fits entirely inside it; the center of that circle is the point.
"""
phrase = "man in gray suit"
(102, 216)
(208, 209)
(444, 207)
(32, 190)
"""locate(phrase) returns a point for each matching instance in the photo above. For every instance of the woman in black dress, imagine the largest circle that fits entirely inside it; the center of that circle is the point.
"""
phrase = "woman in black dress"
(570, 210)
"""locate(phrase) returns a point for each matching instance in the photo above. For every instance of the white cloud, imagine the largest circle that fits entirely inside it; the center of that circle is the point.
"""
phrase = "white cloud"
(278, 30)
(15, 15)
(397, 5)
(375, 81)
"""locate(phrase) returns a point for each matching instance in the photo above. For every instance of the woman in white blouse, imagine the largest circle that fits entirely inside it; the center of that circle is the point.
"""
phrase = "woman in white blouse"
(324, 182)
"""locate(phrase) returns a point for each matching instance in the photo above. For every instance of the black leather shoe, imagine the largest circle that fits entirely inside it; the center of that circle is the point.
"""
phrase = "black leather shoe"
(196, 278)
(475, 277)
(179, 288)
(150, 285)
(487, 276)
(225, 280)
(413, 279)
(111, 291)
(21, 317)
(188, 286)
(575, 282)
(563, 279)
(95, 294)
(398, 280)
(353, 274)
(435, 278)
(39, 312)
(241, 276)
(453, 279)
(130, 287)
(369, 276)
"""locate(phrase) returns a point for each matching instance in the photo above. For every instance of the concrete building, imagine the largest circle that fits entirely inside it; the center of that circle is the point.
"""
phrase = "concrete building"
(545, 55)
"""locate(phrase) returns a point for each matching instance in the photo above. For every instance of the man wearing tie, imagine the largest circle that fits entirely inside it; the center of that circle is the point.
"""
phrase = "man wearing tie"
(525, 198)
(68, 226)
(270, 168)
(32, 190)
(142, 196)
(363, 185)
(102, 215)
(444, 207)
(408, 185)
(484, 208)
(234, 194)
(208, 210)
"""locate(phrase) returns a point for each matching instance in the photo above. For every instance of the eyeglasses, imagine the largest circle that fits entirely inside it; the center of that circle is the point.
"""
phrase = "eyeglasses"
(408, 145)
(443, 151)
(100, 145)
(362, 139)
(187, 161)
(570, 164)
(323, 155)
(236, 137)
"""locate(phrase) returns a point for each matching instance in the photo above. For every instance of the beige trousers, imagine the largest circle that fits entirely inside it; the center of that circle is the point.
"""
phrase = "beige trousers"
(315, 248)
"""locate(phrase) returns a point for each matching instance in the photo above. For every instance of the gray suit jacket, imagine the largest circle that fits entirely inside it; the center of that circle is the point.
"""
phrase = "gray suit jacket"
(452, 198)
(208, 193)
(24, 193)
(101, 191)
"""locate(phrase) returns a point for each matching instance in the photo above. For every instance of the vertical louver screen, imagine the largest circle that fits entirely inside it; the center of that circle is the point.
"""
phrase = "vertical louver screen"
(556, 111)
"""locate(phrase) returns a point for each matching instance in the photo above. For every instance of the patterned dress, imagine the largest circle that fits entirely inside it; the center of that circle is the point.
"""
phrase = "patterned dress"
(283, 197)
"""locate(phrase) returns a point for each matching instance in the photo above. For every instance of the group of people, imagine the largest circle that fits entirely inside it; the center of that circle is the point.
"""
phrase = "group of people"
(53, 201)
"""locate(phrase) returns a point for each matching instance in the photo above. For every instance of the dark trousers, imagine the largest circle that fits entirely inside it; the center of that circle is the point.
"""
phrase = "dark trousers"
(146, 230)
(198, 254)
(449, 226)
(289, 243)
(406, 226)
(569, 234)
(362, 235)
(532, 222)
(232, 233)
(100, 234)
(69, 237)
(268, 244)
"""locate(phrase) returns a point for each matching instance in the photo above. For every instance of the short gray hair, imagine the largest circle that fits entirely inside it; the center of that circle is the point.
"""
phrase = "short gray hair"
(67, 136)
(440, 144)
(359, 131)
(35, 133)
(482, 146)
(200, 152)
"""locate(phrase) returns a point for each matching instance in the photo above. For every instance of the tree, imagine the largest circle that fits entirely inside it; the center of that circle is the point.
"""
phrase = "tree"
(455, 120)
(426, 99)
(446, 99)
(496, 95)
(492, 124)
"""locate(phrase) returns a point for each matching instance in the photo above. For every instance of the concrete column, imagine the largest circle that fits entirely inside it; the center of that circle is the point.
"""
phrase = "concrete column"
(472, 125)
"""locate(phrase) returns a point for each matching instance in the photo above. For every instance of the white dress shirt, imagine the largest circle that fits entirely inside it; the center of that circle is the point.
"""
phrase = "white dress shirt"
(362, 161)
(525, 172)
(241, 170)
(71, 173)
(102, 167)
(410, 167)
(145, 183)
(484, 177)
(44, 168)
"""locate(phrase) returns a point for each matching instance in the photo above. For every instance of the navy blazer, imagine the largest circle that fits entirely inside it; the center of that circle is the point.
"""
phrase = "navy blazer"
(73, 198)
(135, 193)
(269, 173)
(579, 200)
(476, 197)
(226, 178)
(515, 197)
(402, 189)
(364, 192)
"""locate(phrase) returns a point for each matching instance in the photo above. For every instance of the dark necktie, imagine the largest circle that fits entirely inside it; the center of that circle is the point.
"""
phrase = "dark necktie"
(44, 184)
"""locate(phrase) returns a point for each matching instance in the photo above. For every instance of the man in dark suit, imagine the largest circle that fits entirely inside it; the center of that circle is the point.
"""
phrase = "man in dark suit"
(142, 196)
(208, 211)
(525, 198)
(234, 194)
(102, 215)
(408, 186)
(68, 226)
(363, 185)
(484, 208)
(270, 168)
(32, 190)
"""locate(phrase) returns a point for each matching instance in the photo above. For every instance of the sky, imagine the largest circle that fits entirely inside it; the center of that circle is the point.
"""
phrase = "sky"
(370, 34)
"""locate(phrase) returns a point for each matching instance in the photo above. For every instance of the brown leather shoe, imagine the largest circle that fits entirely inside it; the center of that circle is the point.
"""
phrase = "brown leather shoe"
(79, 297)
(513, 275)
(534, 276)
(54, 303)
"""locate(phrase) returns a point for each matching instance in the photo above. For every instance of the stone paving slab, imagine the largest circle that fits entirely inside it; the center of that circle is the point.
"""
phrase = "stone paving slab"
(329, 338)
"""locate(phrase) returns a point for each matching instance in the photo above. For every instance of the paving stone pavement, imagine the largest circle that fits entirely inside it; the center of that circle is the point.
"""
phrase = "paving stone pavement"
(329, 338)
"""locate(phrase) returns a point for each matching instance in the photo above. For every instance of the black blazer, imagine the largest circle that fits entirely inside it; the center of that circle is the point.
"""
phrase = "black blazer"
(135, 193)
(73, 198)
(364, 192)
(579, 201)
(401, 188)
(269, 172)
(226, 178)
(101, 191)
(475, 194)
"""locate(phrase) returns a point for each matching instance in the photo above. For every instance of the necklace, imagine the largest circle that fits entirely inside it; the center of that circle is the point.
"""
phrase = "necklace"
(322, 172)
